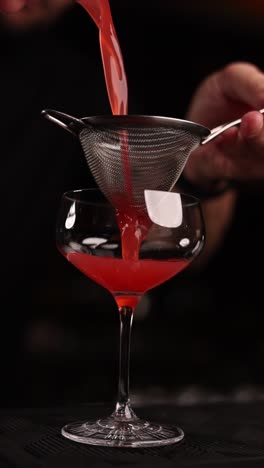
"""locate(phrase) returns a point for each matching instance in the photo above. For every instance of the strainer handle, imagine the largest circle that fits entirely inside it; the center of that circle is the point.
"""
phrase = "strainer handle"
(222, 128)
(66, 121)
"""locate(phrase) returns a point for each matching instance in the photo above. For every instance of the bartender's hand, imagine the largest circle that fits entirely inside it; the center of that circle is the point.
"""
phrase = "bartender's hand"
(24, 14)
(214, 171)
(11, 6)
(237, 154)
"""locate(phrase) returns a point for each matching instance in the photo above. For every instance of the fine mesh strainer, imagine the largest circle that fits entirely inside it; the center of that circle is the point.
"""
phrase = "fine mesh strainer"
(130, 154)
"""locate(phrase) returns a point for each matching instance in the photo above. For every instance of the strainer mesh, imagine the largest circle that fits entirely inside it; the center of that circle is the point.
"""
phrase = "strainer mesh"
(126, 159)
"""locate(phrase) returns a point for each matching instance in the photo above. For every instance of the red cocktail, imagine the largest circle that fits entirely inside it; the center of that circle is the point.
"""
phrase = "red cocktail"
(118, 275)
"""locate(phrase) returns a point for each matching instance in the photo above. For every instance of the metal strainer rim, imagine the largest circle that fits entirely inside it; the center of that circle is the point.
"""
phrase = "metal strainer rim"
(147, 121)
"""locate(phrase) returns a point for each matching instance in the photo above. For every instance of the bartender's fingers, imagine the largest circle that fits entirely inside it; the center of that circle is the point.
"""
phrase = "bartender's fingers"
(252, 125)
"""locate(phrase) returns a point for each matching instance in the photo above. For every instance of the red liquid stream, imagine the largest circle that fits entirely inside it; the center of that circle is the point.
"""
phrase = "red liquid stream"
(132, 225)
(116, 83)
(119, 276)
(114, 70)
(128, 274)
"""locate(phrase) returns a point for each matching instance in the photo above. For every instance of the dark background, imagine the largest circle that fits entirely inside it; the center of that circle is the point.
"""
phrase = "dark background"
(194, 337)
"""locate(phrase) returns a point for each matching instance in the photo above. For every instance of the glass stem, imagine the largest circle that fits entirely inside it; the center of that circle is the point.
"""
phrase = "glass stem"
(123, 411)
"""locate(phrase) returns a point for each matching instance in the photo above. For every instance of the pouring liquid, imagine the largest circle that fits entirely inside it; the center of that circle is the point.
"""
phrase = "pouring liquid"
(133, 225)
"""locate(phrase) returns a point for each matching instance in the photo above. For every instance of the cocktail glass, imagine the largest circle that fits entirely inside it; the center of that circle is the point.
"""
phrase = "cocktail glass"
(128, 256)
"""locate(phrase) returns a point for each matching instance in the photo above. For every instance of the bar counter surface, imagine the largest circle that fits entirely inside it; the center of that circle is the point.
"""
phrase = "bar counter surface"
(216, 435)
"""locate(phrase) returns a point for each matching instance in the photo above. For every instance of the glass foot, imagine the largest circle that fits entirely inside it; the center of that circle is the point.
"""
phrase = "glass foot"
(115, 433)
